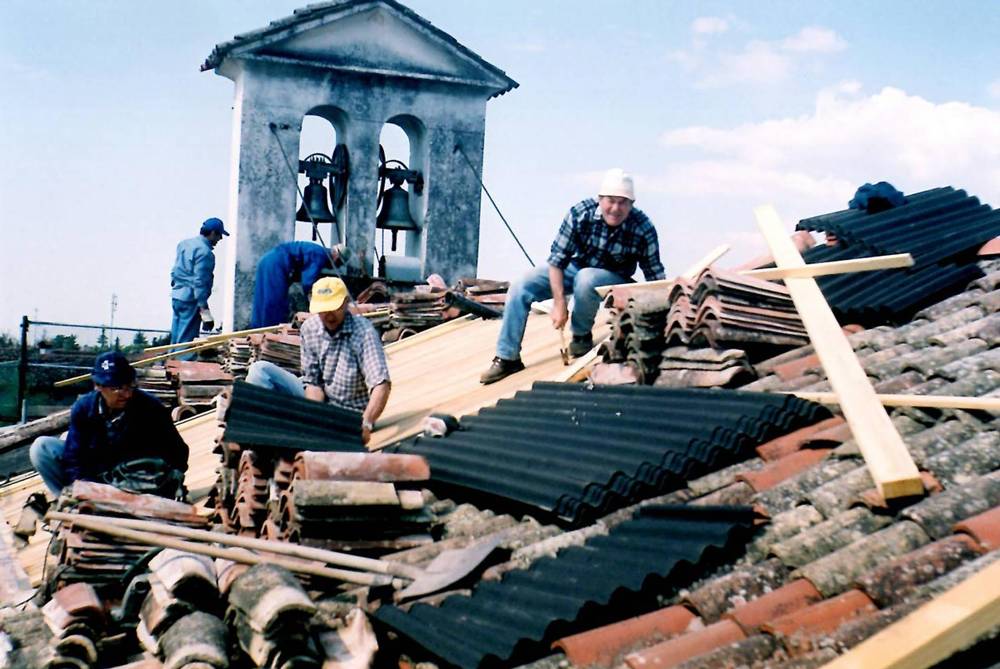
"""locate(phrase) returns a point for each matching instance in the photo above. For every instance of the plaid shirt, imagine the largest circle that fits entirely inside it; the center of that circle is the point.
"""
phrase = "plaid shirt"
(346, 364)
(585, 240)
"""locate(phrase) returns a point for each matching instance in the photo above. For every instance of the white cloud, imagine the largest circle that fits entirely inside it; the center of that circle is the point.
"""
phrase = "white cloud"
(812, 164)
(814, 39)
(760, 62)
(709, 25)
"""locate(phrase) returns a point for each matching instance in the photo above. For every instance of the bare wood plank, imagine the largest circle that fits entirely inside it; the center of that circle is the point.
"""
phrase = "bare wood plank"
(892, 261)
(140, 363)
(935, 631)
(224, 336)
(692, 273)
(919, 401)
(889, 462)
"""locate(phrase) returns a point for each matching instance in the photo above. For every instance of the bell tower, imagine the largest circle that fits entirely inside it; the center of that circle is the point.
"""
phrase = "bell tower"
(359, 64)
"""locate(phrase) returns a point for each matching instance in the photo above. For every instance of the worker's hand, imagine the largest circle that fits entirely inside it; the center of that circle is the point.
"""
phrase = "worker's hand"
(559, 315)
(207, 320)
(366, 431)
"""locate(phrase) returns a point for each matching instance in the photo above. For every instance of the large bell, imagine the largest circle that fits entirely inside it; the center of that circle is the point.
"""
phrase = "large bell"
(395, 213)
(316, 200)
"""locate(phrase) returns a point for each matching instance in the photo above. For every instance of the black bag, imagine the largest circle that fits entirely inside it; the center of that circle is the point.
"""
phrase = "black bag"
(149, 476)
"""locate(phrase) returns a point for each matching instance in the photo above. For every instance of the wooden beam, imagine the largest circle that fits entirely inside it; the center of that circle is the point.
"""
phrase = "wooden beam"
(572, 373)
(919, 401)
(140, 363)
(213, 338)
(429, 333)
(889, 462)
(692, 273)
(892, 261)
(935, 631)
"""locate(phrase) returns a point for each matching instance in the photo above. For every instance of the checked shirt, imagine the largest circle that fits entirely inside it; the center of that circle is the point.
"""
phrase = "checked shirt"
(346, 364)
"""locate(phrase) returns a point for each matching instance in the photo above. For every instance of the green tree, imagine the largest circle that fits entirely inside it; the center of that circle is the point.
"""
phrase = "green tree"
(139, 340)
(65, 343)
(102, 340)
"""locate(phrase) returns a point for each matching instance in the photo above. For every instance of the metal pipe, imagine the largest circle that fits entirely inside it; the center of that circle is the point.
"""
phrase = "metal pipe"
(22, 370)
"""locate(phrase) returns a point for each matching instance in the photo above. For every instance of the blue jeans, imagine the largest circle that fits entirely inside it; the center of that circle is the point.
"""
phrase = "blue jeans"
(185, 326)
(268, 375)
(535, 287)
(46, 457)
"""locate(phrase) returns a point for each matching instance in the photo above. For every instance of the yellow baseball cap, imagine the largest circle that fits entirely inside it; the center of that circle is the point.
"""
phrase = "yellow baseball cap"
(328, 294)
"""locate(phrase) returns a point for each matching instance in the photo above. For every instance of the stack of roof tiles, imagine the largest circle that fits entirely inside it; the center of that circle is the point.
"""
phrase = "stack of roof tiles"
(484, 291)
(281, 347)
(418, 310)
(156, 382)
(942, 228)
(604, 447)
(90, 557)
(198, 383)
(263, 432)
(837, 563)
(350, 501)
(507, 622)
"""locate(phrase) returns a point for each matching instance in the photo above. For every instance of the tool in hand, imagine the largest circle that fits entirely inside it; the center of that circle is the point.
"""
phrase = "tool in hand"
(563, 350)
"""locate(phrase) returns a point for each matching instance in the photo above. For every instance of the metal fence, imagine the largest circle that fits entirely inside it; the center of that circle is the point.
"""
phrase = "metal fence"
(41, 356)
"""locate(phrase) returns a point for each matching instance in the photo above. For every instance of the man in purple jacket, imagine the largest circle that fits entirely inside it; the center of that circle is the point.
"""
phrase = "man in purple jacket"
(115, 423)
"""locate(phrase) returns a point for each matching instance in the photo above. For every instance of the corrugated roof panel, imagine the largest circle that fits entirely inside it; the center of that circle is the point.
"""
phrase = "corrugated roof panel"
(516, 619)
(577, 452)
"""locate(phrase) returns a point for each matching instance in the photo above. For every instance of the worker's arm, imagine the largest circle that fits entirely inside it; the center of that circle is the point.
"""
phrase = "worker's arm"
(559, 313)
(312, 372)
(315, 393)
(204, 275)
(376, 405)
(652, 267)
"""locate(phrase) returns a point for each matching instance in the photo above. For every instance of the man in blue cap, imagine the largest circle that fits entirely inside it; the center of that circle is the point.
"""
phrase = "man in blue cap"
(116, 423)
(191, 283)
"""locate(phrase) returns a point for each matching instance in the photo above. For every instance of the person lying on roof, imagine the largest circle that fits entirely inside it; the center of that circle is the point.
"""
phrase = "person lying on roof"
(343, 362)
(284, 265)
(111, 428)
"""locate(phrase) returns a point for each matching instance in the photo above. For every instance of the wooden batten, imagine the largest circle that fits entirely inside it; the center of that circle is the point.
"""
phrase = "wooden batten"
(893, 261)
(889, 462)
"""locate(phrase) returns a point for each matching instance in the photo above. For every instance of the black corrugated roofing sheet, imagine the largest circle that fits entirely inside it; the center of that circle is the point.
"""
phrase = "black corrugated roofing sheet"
(514, 620)
(941, 228)
(258, 417)
(578, 453)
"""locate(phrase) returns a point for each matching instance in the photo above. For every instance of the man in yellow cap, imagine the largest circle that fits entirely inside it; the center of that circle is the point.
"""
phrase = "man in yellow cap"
(343, 361)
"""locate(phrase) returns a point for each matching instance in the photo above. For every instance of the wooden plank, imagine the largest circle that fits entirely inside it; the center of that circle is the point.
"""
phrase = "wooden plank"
(889, 462)
(578, 366)
(140, 363)
(429, 333)
(935, 631)
(892, 261)
(224, 336)
(919, 401)
(692, 273)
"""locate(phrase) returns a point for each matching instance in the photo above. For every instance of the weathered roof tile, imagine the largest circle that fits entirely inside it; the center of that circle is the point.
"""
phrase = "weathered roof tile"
(673, 652)
(786, 600)
(937, 514)
(984, 528)
(719, 595)
(960, 464)
(782, 526)
(836, 572)
(822, 617)
(780, 470)
(890, 583)
(793, 491)
(738, 654)
(837, 495)
(828, 536)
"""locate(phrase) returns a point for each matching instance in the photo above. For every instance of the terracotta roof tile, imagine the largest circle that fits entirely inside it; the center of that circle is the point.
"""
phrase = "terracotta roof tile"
(950, 305)
(984, 528)
(823, 617)
(767, 366)
(875, 502)
(786, 600)
(794, 491)
(926, 443)
(841, 530)
(938, 514)
(793, 441)
(856, 630)
(813, 660)
(870, 357)
(796, 368)
(723, 477)
(836, 495)
(939, 324)
(737, 493)
(955, 576)
(890, 583)
(600, 646)
(837, 571)
(904, 383)
(836, 434)
(987, 329)
(966, 461)
(783, 526)
(738, 654)
(677, 650)
(780, 470)
(718, 595)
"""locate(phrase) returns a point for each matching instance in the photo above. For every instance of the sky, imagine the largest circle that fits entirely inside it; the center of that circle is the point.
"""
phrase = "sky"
(114, 146)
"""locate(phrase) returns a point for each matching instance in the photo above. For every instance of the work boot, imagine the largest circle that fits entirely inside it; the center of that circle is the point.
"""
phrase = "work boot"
(501, 369)
(581, 345)
(34, 509)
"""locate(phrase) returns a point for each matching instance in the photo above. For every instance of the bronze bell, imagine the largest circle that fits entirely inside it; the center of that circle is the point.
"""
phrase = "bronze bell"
(395, 213)
(318, 202)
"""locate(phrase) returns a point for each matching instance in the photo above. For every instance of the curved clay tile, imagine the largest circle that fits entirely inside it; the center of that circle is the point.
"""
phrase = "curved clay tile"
(673, 652)
(938, 514)
(783, 469)
(829, 536)
(823, 617)
(793, 441)
(984, 528)
(712, 599)
(786, 600)
(782, 526)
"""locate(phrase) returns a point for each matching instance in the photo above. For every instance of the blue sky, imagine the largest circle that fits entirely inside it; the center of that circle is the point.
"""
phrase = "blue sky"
(114, 146)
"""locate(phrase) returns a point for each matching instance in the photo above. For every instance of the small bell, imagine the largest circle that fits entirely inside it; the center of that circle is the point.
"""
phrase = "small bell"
(316, 200)
(395, 213)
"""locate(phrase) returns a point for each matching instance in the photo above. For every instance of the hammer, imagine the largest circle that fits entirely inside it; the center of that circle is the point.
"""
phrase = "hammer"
(563, 351)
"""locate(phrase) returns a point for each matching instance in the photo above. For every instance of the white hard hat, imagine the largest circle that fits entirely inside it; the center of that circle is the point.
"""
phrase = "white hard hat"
(617, 182)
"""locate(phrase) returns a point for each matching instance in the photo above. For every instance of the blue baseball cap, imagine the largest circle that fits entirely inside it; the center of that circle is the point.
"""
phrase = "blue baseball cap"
(213, 225)
(112, 369)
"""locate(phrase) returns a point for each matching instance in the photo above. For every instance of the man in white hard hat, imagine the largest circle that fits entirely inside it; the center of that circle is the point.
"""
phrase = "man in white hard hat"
(599, 243)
